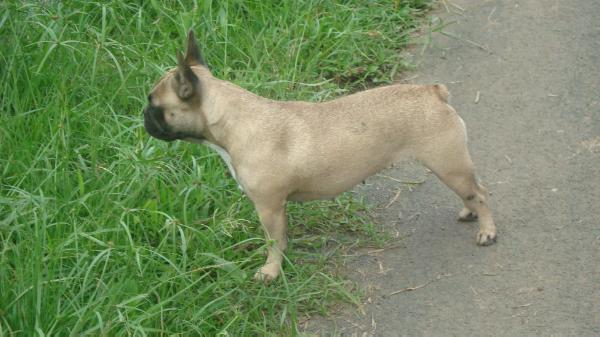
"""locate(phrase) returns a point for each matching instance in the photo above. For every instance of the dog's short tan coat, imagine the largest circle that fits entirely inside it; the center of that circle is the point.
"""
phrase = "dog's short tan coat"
(290, 150)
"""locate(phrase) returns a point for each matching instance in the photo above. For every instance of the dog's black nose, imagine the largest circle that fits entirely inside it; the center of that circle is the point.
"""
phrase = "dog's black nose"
(154, 123)
(156, 112)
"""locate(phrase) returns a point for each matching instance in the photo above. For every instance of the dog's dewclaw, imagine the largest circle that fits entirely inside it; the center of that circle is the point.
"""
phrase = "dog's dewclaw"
(467, 215)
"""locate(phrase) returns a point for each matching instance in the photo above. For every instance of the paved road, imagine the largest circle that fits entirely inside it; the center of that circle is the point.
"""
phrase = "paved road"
(535, 138)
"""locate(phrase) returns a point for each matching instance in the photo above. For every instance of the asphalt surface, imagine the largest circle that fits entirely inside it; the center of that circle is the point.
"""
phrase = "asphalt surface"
(525, 77)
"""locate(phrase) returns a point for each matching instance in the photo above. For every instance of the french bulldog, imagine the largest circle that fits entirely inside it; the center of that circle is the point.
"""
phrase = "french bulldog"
(280, 151)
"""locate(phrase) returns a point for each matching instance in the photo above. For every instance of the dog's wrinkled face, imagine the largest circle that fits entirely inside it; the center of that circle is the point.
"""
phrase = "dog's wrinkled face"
(174, 107)
(168, 116)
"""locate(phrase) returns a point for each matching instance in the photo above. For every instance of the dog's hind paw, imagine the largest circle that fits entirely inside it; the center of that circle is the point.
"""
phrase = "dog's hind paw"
(486, 237)
(267, 273)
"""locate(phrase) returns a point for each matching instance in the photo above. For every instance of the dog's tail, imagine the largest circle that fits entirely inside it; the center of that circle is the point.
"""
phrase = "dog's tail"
(442, 92)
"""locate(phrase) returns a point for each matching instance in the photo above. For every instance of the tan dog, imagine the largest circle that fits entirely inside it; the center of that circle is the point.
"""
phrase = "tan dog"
(287, 150)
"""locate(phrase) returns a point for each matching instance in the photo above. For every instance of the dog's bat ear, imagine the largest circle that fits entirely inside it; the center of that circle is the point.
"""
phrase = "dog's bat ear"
(187, 81)
(192, 52)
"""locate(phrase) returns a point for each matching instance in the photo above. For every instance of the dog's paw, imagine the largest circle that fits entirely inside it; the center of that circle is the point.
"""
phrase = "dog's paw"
(486, 237)
(467, 215)
(267, 273)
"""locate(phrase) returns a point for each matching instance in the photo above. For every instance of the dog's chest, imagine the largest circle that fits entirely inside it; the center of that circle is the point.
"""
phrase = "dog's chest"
(226, 158)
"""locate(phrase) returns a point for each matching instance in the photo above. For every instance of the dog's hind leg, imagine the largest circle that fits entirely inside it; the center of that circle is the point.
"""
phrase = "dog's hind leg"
(273, 219)
(449, 159)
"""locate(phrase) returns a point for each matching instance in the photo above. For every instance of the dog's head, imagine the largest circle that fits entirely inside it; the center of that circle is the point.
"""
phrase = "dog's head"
(174, 104)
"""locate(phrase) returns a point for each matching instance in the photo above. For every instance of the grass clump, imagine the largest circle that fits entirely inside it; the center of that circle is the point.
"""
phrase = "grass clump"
(105, 231)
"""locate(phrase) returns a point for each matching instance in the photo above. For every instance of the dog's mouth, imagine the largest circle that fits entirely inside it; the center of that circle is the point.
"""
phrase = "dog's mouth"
(154, 123)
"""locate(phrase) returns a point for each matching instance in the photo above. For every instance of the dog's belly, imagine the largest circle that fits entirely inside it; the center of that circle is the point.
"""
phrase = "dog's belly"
(332, 185)
(339, 171)
(327, 189)
(307, 196)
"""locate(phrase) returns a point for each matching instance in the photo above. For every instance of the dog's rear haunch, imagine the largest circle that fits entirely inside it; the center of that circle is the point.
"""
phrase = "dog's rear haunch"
(288, 150)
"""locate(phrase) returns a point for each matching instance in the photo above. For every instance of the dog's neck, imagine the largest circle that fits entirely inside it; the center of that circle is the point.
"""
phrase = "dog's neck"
(224, 107)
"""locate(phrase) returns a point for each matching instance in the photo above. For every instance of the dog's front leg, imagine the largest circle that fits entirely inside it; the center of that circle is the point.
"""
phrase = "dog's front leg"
(273, 219)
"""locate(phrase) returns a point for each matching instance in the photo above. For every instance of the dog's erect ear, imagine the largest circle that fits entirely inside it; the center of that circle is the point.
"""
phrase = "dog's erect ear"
(192, 52)
(187, 81)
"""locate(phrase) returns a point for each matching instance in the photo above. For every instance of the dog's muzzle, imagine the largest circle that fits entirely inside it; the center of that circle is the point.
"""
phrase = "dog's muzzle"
(154, 122)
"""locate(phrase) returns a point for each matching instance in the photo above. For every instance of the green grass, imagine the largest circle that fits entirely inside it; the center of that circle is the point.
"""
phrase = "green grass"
(107, 232)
